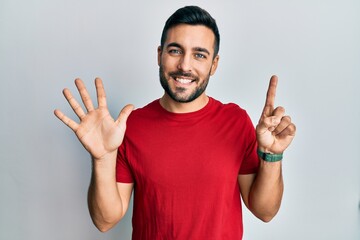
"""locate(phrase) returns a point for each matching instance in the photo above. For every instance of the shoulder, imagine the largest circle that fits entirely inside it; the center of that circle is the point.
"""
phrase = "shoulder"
(147, 110)
(231, 109)
(145, 115)
(231, 114)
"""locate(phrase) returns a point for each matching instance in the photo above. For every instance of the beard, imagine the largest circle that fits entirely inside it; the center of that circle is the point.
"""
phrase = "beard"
(178, 94)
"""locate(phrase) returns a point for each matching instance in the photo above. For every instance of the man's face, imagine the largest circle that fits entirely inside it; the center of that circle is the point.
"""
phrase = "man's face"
(187, 61)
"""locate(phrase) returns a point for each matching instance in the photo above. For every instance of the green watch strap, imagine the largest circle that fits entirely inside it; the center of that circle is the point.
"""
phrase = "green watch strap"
(268, 157)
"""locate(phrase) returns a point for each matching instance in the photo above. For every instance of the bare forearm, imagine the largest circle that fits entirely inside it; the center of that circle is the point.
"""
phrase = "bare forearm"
(104, 201)
(267, 190)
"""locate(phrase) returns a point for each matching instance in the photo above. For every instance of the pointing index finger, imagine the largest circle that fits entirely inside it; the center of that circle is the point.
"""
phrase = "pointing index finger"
(270, 96)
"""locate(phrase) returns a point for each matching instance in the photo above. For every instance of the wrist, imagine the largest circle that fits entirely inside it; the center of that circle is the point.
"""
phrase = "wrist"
(268, 156)
(106, 160)
(104, 156)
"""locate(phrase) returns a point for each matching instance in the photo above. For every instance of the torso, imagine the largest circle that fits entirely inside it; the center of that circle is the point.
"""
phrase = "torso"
(185, 169)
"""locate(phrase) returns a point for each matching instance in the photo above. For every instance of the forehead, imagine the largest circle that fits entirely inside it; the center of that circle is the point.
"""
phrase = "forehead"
(191, 36)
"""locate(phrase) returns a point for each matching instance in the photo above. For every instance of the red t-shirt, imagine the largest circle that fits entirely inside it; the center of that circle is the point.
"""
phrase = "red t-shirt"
(185, 170)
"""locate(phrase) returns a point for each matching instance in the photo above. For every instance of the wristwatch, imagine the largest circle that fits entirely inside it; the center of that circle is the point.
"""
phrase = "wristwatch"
(269, 157)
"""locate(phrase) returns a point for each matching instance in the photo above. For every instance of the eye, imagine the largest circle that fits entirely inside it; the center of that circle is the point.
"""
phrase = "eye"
(199, 55)
(175, 51)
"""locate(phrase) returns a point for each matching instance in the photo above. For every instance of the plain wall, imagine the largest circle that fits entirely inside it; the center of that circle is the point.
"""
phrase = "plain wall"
(313, 46)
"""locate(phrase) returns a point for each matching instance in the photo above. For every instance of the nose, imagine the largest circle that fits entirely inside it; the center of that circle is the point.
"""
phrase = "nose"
(185, 63)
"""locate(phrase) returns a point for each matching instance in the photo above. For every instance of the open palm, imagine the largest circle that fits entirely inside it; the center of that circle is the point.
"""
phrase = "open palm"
(98, 132)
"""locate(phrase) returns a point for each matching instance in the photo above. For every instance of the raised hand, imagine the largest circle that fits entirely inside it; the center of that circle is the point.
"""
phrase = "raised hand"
(98, 132)
(275, 131)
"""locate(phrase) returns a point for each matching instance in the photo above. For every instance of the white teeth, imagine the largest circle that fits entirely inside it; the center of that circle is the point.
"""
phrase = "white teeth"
(184, 81)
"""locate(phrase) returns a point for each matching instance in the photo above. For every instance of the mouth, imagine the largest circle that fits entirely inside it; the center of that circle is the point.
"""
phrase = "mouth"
(184, 81)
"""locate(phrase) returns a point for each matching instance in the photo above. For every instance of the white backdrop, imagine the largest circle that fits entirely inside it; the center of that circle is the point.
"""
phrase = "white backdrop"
(313, 46)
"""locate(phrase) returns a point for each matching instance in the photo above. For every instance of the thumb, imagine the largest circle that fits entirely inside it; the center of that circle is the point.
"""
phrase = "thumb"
(123, 116)
(267, 124)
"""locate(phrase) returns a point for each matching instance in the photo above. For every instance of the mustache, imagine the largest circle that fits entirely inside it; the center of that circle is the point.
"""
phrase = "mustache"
(182, 74)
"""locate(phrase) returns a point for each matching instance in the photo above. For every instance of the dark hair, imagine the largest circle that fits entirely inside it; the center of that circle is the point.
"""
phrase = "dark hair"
(192, 15)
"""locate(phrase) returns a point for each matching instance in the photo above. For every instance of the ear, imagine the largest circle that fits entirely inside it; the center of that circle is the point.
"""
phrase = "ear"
(214, 65)
(159, 51)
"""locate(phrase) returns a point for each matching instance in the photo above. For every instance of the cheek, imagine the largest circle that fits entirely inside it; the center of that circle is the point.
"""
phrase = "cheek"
(204, 71)
(168, 61)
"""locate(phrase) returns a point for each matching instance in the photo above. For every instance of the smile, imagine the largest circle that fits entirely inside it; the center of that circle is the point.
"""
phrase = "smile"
(184, 80)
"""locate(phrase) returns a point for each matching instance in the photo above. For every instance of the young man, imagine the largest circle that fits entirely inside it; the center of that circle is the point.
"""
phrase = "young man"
(186, 156)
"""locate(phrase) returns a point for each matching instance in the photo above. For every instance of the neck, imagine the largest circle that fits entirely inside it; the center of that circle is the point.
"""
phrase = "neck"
(173, 106)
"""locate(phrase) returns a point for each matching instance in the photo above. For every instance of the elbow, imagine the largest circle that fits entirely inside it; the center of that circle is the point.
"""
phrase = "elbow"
(264, 211)
(104, 226)
(266, 218)
(104, 222)
(103, 229)
(264, 214)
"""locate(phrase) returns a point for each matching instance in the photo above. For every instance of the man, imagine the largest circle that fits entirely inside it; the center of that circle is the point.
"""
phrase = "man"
(186, 156)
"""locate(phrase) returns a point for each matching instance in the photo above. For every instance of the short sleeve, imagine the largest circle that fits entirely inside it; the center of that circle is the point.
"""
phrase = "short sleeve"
(123, 171)
(250, 163)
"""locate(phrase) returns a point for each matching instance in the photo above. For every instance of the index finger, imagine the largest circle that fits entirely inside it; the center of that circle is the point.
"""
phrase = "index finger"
(270, 96)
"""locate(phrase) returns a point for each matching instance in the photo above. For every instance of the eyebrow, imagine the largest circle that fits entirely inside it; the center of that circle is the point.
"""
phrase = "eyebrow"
(200, 49)
(197, 49)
